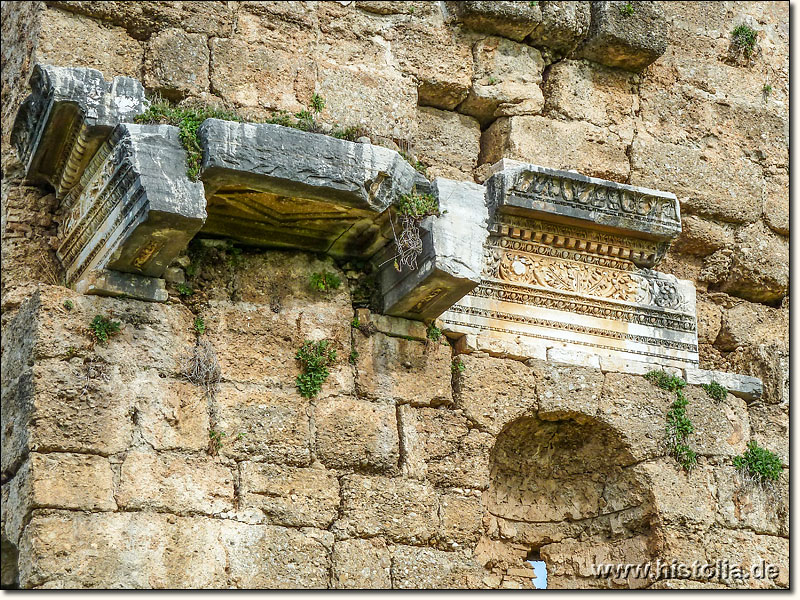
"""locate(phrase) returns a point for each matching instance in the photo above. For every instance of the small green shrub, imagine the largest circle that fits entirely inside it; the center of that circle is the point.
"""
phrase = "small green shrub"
(715, 390)
(315, 358)
(665, 381)
(72, 351)
(68, 304)
(744, 39)
(434, 333)
(104, 328)
(199, 325)
(184, 290)
(355, 323)
(188, 120)
(215, 441)
(678, 426)
(759, 464)
(353, 357)
(458, 366)
(627, 9)
(325, 281)
(766, 91)
(418, 206)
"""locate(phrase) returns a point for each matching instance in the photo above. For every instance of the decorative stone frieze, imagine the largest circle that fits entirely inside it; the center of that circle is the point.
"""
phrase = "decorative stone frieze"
(567, 267)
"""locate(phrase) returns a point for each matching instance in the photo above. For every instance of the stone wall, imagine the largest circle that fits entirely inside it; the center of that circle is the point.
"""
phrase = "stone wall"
(402, 472)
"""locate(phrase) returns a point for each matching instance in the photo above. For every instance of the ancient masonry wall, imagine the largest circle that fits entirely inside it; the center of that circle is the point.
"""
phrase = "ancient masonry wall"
(403, 471)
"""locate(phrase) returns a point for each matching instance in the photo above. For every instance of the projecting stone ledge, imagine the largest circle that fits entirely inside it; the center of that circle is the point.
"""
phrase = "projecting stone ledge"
(278, 186)
(67, 117)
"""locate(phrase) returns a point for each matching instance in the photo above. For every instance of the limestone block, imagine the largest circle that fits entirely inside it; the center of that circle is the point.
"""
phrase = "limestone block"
(290, 496)
(68, 549)
(709, 322)
(122, 285)
(142, 19)
(745, 387)
(680, 499)
(173, 414)
(400, 510)
(400, 371)
(750, 550)
(759, 268)
(461, 519)
(439, 446)
(701, 237)
(719, 428)
(619, 39)
(175, 483)
(448, 142)
(357, 434)
(776, 204)
(92, 44)
(57, 480)
(603, 96)
(569, 356)
(770, 364)
(309, 191)
(514, 20)
(274, 423)
(450, 263)
(131, 212)
(558, 144)
(632, 367)
(566, 391)
(563, 25)
(269, 557)
(517, 348)
(708, 185)
(506, 81)
(426, 568)
(493, 392)
(769, 427)
(361, 564)
(259, 74)
(65, 105)
(744, 506)
(177, 64)
(392, 326)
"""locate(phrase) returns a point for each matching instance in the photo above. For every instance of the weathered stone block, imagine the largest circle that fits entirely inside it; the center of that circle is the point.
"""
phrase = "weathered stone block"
(356, 434)
(461, 519)
(177, 64)
(450, 263)
(629, 40)
(259, 178)
(745, 387)
(173, 415)
(746, 506)
(447, 142)
(559, 144)
(425, 568)
(514, 20)
(563, 25)
(175, 483)
(399, 509)
(776, 204)
(361, 564)
(720, 429)
(289, 496)
(506, 82)
(400, 371)
(274, 423)
(701, 237)
(770, 364)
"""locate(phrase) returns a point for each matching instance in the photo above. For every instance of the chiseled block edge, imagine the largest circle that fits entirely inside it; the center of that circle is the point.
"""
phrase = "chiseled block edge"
(137, 209)
(69, 114)
(122, 285)
(289, 162)
(452, 258)
(534, 191)
(744, 386)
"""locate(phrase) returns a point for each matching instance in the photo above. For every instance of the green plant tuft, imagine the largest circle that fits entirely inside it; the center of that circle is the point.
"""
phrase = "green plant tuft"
(434, 333)
(355, 323)
(760, 464)
(715, 390)
(418, 206)
(184, 290)
(104, 328)
(314, 357)
(418, 165)
(458, 366)
(678, 426)
(199, 325)
(325, 281)
(744, 39)
(627, 9)
(215, 441)
(188, 120)
(766, 91)
(68, 304)
(353, 357)
(665, 381)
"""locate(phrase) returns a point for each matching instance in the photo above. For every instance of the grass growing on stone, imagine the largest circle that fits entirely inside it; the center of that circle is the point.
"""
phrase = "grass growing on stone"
(758, 464)
(215, 441)
(678, 425)
(184, 290)
(188, 120)
(715, 390)
(434, 333)
(744, 39)
(315, 358)
(68, 304)
(418, 206)
(325, 281)
(457, 366)
(104, 328)
(626, 10)
(199, 325)
(418, 165)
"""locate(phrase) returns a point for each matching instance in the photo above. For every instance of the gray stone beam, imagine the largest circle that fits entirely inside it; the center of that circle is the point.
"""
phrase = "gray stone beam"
(270, 185)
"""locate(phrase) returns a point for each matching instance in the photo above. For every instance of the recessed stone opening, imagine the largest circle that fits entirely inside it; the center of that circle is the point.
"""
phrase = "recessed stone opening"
(9, 558)
(569, 493)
